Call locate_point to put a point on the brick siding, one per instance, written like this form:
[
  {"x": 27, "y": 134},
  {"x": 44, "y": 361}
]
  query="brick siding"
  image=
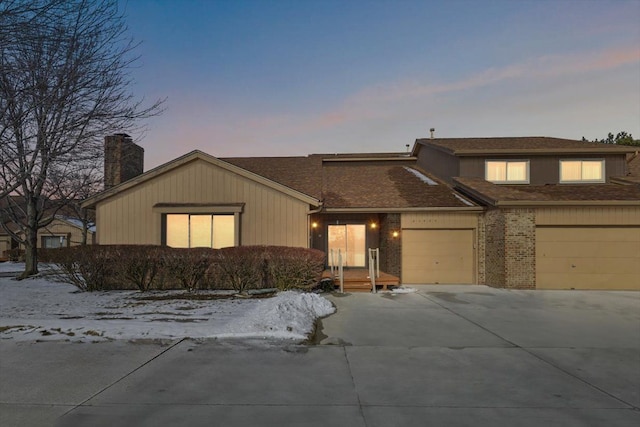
[{"x": 390, "y": 247}]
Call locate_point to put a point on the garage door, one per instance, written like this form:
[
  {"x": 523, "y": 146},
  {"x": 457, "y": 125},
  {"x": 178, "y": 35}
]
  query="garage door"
[
  {"x": 588, "y": 257},
  {"x": 437, "y": 256}
]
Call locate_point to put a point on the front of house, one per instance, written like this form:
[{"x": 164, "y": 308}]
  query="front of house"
[{"x": 507, "y": 212}]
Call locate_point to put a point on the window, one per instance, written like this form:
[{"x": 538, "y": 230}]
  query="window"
[
  {"x": 581, "y": 170},
  {"x": 507, "y": 171},
  {"x": 52, "y": 242},
  {"x": 200, "y": 230},
  {"x": 350, "y": 240}
]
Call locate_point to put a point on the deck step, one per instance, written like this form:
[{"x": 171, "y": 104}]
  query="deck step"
[{"x": 356, "y": 287}]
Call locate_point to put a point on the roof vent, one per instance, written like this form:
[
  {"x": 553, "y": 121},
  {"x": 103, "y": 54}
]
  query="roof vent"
[{"x": 433, "y": 131}]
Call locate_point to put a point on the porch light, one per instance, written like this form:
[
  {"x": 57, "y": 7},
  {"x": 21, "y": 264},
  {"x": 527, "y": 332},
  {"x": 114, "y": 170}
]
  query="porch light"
[
  {"x": 314, "y": 225},
  {"x": 373, "y": 225},
  {"x": 395, "y": 234}
]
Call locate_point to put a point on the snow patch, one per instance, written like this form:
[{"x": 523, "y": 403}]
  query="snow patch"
[
  {"x": 40, "y": 309},
  {"x": 421, "y": 176},
  {"x": 463, "y": 200}
]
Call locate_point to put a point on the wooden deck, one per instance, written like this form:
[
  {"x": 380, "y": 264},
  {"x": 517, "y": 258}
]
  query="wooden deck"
[{"x": 357, "y": 280}]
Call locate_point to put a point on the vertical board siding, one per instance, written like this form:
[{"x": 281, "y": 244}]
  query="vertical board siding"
[
  {"x": 593, "y": 215},
  {"x": 269, "y": 217},
  {"x": 436, "y": 220}
]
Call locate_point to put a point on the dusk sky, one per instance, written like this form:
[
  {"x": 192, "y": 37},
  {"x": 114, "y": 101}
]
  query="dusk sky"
[{"x": 283, "y": 78}]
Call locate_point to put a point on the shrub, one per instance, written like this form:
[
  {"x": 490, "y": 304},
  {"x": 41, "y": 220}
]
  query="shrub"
[
  {"x": 140, "y": 265},
  {"x": 240, "y": 267},
  {"x": 188, "y": 267},
  {"x": 90, "y": 268},
  {"x": 294, "y": 267},
  {"x": 15, "y": 255}
]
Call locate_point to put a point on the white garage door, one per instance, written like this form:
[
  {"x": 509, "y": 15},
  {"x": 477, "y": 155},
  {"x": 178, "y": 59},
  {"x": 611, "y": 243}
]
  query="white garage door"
[
  {"x": 437, "y": 256},
  {"x": 588, "y": 257}
]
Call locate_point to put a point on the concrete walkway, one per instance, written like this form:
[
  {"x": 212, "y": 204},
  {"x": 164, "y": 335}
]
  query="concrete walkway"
[{"x": 444, "y": 356}]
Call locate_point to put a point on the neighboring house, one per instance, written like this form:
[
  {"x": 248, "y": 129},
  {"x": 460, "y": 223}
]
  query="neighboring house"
[
  {"x": 61, "y": 232},
  {"x": 452, "y": 211}
]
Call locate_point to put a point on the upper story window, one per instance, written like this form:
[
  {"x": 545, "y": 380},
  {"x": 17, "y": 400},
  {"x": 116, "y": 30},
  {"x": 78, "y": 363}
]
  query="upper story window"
[
  {"x": 507, "y": 171},
  {"x": 582, "y": 171}
]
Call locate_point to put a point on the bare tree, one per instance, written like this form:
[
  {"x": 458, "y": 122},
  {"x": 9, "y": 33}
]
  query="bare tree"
[{"x": 64, "y": 84}]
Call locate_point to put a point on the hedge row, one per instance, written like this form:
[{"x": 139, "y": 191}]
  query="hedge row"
[{"x": 144, "y": 267}]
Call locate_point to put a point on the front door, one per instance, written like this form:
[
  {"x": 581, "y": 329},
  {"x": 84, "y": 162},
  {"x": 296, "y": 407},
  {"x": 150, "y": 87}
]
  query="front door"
[{"x": 350, "y": 239}]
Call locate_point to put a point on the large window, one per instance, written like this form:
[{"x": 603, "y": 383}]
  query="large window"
[
  {"x": 52, "y": 242},
  {"x": 581, "y": 170},
  {"x": 200, "y": 230},
  {"x": 507, "y": 171}
]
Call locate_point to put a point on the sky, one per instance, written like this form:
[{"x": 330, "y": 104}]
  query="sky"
[{"x": 289, "y": 78}]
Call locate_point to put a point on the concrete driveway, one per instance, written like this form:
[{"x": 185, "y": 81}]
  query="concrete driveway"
[{"x": 444, "y": 356}]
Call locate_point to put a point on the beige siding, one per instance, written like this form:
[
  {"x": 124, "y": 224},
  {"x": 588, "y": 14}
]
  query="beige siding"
[
  {"x": 5, "y": 244},
  {"x": 424, "y": 220},
  {"x": 62, "y": 228},
  {"x": 269, "y": 217},
  {"x": 593, "y": 215},
  {"x": 588, "y": 257}
]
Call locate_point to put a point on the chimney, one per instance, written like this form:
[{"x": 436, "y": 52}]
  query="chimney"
[
  {"x": 433, "y": 131},
  {"x": 123, "y": 159}
]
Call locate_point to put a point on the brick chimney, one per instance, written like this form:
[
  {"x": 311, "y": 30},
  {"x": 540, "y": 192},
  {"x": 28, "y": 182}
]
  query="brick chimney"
[{"x": 123, "y": 159}]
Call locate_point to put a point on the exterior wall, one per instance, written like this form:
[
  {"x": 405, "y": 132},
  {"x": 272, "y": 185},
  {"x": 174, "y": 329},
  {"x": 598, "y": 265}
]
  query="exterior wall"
[
  {"x": 594, "y": 215},
  {"x": 391, "y": 247},
  {"x": 61, "y": 228},
  {"x": 510, "y": 248},
  {"x": 542, "y": 169},
  {"x": 494, "y": 248},
  {"x": 269, "y": 217},
  {"x": 5, "y": 244},
  {"x": 520, "y": 248},
  {"x": 443, "y": 165},
  {"x": 322, "y": 221}
]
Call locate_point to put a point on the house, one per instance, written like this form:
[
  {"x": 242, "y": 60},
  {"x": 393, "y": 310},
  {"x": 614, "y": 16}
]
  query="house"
[
  {"x": 469, "y": 211},
  {"x": 555, "y": 217}
]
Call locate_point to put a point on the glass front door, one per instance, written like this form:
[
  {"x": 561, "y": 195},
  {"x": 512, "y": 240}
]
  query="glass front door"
[{"x": 350, "y": 239}]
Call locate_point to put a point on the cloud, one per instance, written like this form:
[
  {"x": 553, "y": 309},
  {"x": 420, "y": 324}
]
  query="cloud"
[{"x": 386, "y": 107}]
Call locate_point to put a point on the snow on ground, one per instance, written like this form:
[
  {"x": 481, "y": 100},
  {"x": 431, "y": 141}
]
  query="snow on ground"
[{"x": 40, "y": 309}]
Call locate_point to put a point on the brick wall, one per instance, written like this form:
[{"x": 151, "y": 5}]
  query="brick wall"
[
  {"x": 510, "y": 248},
  {"x": 520, "y": 248},
  {"x": 390, "y": 247},
  {"x": 494, "y": 248},
  {"x": 123, "y": 159},
  {"x": 481, "y": 251}
]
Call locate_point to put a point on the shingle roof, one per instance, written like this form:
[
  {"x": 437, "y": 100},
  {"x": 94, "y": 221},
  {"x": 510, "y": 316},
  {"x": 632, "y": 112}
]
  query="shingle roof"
[
  {"x": 385, "y": 187},
  {"x": 496, "y": 193},
  {"x": 539, "y": 144},
  {"x": 302, "y": 174},
  {"x": 351, "y": 185}
]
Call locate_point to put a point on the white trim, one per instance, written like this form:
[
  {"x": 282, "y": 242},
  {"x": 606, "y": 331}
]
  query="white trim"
[
  {"x": 583, "y": 181},
  {"x": 506, "y": 162}
]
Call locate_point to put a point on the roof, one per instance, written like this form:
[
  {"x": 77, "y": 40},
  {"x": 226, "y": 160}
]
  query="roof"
[
  {"x": 574, "y": 194},
  {"x": 633, "y": 173},
  {"x": 367, "y": 181},
  {"x": 386, "y": 187},
  {"x": 539, "y": 145},
  {"x": 199, "y": 155}
]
